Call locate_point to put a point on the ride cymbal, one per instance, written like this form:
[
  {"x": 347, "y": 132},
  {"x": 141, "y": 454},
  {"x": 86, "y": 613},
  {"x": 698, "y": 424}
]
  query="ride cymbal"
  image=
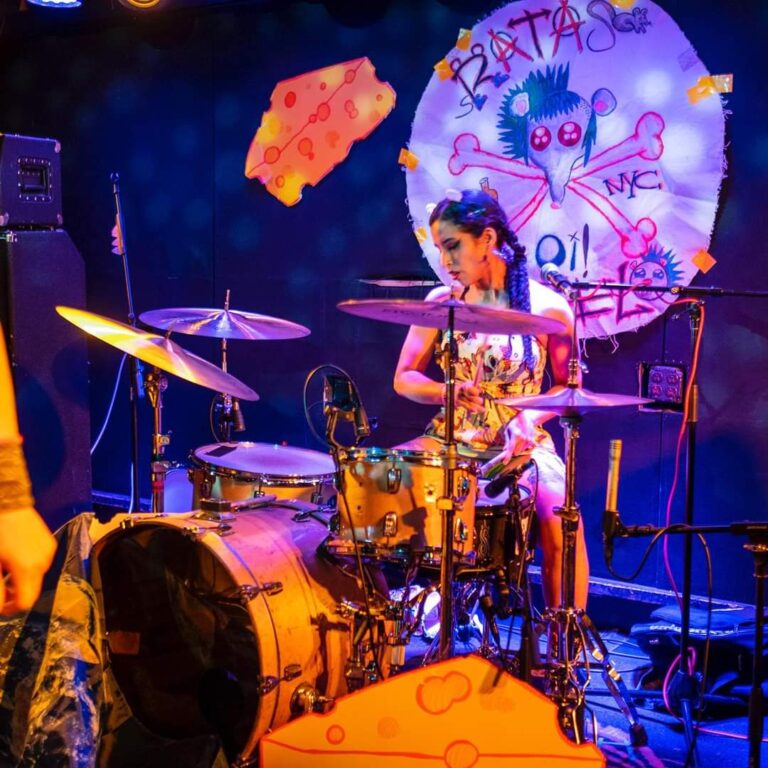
[
  {"x": 157, "y": 351},
  {"x": 572, "y": 400},
  {"x": 223, "y": 324},
  {"x": 477, "y": 318}
]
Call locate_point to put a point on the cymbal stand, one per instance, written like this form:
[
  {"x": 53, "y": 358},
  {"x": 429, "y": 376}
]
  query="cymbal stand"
[
  {"x": 446, "y": 503},
  {"x": 155, "y": 384},
  {"x": 226, "y": 419},
  {"x": 568, "y": 624},
  {"x": 136, "y": 369}
]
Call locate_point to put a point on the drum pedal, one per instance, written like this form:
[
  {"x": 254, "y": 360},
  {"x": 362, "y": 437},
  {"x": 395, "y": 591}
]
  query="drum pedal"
[{"x": 306, "y": 698}]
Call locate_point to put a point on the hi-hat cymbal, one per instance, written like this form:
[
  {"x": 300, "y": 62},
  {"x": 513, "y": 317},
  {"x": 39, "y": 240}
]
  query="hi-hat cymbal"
[
  {"x": 477, "y": 318},
  {"x": 223, "y": 324},
  {"x": 572, "y": 400},
  {"x": 157, "y": 351}
]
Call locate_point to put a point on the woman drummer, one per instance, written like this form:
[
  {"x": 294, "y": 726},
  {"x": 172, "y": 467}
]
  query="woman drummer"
[{"x": 488, "y": 266}]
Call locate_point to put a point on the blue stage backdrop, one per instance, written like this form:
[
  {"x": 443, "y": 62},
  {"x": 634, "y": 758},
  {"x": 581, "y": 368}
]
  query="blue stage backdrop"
[{"x": 171, "y": 102}]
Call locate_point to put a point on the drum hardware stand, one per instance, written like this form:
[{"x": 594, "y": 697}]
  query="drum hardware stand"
[
  {"x": 355, "y": 672},
  {"x": 446, "y": 503},
  {"x": 570, "y": 627},
  {"x": 155, "y": 384},
  {"x": 135, "y": 389},
  {"x": 230, "y": 415},
  {"x": 528, "y": 652}
]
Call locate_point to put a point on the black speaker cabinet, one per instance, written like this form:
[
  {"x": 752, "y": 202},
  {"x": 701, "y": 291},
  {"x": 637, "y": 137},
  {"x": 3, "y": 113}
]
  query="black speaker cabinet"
[
  {"x": 49, "y": 360},
  {"x": 30, "y": 181}
]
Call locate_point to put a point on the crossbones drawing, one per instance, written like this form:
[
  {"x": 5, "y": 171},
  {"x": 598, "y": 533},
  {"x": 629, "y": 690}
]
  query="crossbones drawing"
[{"x": 549, "y": 134}]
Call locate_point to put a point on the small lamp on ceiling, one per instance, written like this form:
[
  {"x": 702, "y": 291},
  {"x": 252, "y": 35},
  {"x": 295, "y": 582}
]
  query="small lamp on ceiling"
[
  {"x": 144, "y": 5},
  {"x": 54, "y": 3}
]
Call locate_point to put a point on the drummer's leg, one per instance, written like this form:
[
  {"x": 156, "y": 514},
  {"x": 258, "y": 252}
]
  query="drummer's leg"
[{"x": 421, "y": 443}]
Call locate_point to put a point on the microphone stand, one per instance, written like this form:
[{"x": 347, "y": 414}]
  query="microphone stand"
[
  {"x": 675, "y": 290},
  {"x": 135, "y": 390},
  {"x": 685, "y": 686},
  {"x": 227, "y": 417}
]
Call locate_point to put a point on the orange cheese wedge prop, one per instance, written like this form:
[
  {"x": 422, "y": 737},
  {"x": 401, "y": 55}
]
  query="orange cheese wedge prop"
[
  {"x": 461, "y": 713},
  {"x": 311, "y": 124}
]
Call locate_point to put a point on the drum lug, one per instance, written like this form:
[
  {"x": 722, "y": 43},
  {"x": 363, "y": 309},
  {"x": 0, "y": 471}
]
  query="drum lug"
[
  {"x": 390, "y": 524},
  {"x": 459, "y": 530},
  {"x": 394, "y": 477},
  {"x": 248, "y": 592},
  {"x": 194, "y": 531},
  {"x": 270, "y": 682}
]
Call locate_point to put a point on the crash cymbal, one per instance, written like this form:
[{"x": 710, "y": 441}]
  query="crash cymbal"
[
  {"x": 223, "y": 324},
  {"x": 478, "y": 318},
  {"x": 572, "y": 400},
  {"x": 400, "y": 282},
  {"x": 157, "y": 351}
]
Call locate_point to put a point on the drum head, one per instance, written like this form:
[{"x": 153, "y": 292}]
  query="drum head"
[
  {"x": 265, "y": 460},
  {"x": 183, "y": 649}
]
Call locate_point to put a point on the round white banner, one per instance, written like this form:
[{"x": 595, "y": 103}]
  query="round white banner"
[{"x": 601, "y": 134}]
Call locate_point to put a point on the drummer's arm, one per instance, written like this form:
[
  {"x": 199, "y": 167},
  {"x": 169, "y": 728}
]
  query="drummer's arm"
[{"x": 411, "y": 380}]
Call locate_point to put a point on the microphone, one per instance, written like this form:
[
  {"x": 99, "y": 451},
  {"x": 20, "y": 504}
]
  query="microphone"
[
  {"x": 611, "y": 515},
  {"x": 505, "y": 609},
  {"x": 486, "y": 606},
  {"x": 499, "y": 484},
  {"x": 551, "y": 274},
  {"x": 362, "y": 426},
  {"x": 238, "y": 421}
]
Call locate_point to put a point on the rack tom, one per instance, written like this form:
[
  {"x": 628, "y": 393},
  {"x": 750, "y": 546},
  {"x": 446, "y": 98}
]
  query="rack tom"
[{"x": 390, "y": 508}]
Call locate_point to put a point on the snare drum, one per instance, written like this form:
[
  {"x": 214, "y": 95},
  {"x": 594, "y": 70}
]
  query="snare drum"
[
  {"x": 502, "y": 528},
  {"x": 392, "y": 497},
  {"x": 222, "y": 629},
  {"x": 240, "y": 471}
]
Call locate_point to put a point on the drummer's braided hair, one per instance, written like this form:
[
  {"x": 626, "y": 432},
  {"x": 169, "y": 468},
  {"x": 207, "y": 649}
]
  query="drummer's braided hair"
[{"x": 472, "y": 213}]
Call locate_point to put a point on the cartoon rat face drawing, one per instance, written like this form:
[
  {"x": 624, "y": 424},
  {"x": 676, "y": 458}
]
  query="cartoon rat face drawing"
[{"x": 548, "y": 126}]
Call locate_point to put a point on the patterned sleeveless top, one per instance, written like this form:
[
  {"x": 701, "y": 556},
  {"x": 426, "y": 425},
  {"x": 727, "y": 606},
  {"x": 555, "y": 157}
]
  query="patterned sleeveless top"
[{"x": 495, "y": 364}]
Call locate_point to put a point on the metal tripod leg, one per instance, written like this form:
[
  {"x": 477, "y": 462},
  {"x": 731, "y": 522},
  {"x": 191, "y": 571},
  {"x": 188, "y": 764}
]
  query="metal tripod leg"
[{"x": 613, "y": 681}]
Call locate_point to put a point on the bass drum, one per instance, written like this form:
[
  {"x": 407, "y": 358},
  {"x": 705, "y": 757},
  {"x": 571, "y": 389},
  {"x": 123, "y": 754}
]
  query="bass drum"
[{"x": 222, "y": 628}]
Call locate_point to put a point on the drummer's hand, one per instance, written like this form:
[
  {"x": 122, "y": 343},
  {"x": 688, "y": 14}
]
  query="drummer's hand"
[
  {"x": 26, "y": 552},
  {"x": 519, "y": 439},
  {"x": 470, "y": 397}
]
